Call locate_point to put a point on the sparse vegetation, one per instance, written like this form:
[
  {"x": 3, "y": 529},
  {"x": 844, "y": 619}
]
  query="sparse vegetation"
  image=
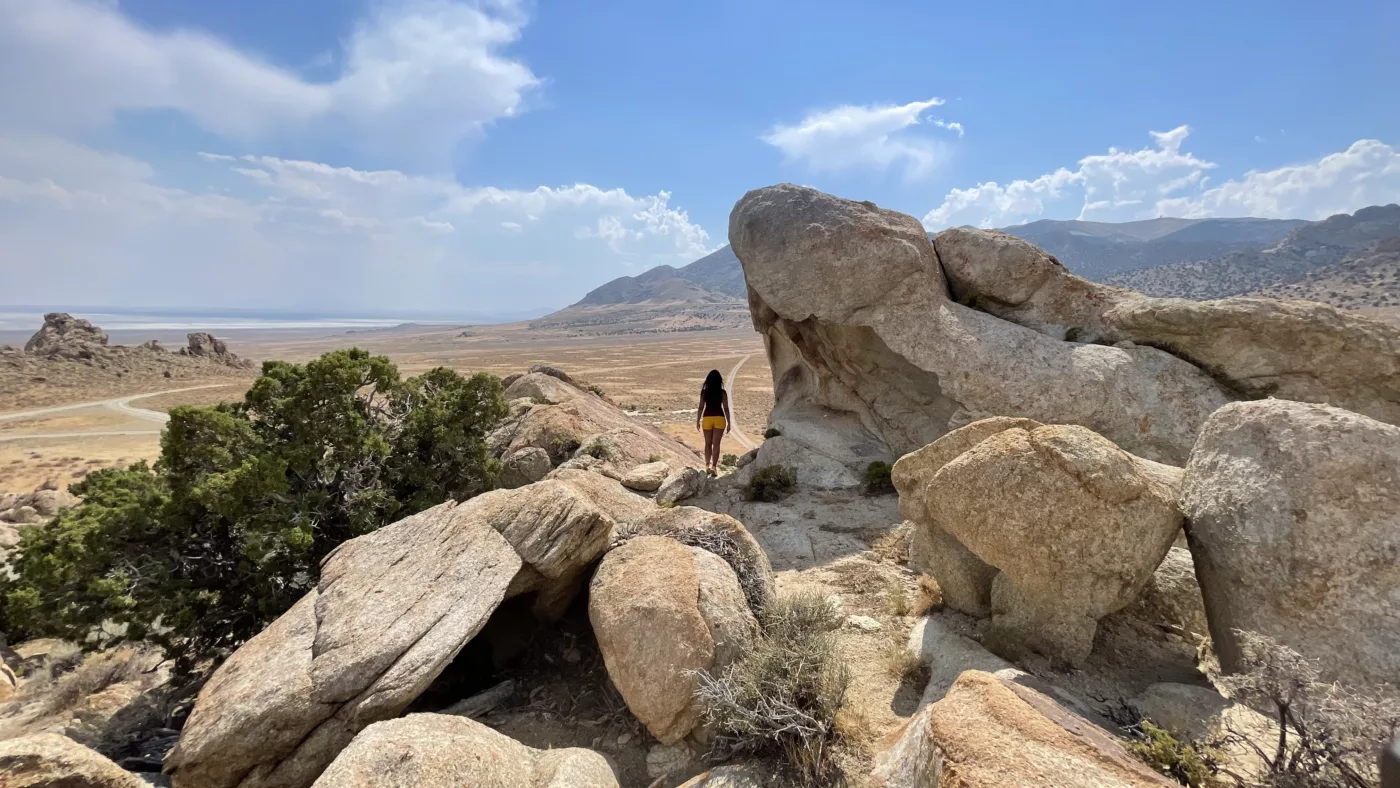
[
  {"x": 773, "y": 483},
  {"x": 729, "y": 460},
  {"x": 783, "y": 697},
  {"x": 1329, "y": 735},
  {"x": 877, "y": 478},
  {"x": 655, "y": 458},
  {"x": 928, "y": 597},
  {"x": 893, "y": 545},
  {"x": 896, "y": 600},
  {"x": 772, "y": 432},
  {"x": 598, "y": 450},
  {"x": 1187, "y": 763},
  {"x": 229, "y": 528},
  {"x": 903, "y": 664}
]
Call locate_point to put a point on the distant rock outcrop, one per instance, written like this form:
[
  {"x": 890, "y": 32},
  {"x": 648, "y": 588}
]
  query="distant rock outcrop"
[
  {"x": 68, "y": 337},
  {"x": 204, "y": 345}
]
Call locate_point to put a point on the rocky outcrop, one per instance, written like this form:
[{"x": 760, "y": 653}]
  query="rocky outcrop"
[
  {"x": 524, "y": 466},
  {"x": 1294, "y": 525},
  {"x": 48, "y": 760},
  {"x": 207, "y": 346},
  {"x": 558, "y": 417},
  {"x": 66, "y": 337},
  {"x": 681, "y": 485},
  {"x": 1257, "y": 346},
  {"x": 442, "y": 751},
  {"x": 989, "y": 732},
  {"x": 720, "y": 534},
  {"x": 663, "y": 611},
  {"x": 1047, "y": 528},
  {"x": 861, "y": 314},
  {"x": 391, "y": 610}
]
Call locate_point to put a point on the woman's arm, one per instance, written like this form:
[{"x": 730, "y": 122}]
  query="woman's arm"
[
  {"x": 728, "y": 419},
  {"x": 700, "y": 410}
]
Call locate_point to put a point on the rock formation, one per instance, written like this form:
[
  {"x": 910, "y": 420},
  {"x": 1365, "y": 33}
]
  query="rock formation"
[
  {"x": 990, "y": 732},
  {"x": 48, "y": 760},
  {"x": 68, "y": 337},
  {"x": 205, "y": 345},
  {"x": 1294, "y": 524},
  {"x": 862, "y": 315},
  {"x": 394, "y": 607},
  {"x": 1047, "y": 528},
  {"x": 442, "y": 751},
  {"x": 663, "y": 611}
]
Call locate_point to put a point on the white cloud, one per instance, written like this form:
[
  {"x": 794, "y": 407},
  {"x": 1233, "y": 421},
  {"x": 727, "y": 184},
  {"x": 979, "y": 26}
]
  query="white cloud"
[
  {"x": 877, "y": 137},
  {"x": 289, "y": 233},
  {"x": 1164, "y": 180},
  {"x": 415, "y": 76}
]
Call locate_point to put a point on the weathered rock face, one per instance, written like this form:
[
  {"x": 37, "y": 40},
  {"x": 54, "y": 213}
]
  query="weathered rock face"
[
  {"x": 1294, "y": 524},
  {"x": 65, "y": 336},
  {"x": 442, "y": 751},
  {"x": 720, "y": 534},
  {"x": 390, "y": 612},
  {"x": 855, "y": 311},
  {"x": 1172, "y": 598},
  {"x": 48, "y": 760},
  {"x": 1049, "y": 528},
  {"x": 561, "y": 417},
  {"x": 524, "y": 466},
  {"x": 993, "y": 733},
  {"x": 660, "y": 611},
  {"x": 1290, "y": 349},
  {"x": 681, "y": 485}
]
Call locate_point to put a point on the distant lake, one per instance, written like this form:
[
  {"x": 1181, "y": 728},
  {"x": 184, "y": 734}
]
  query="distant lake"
[{"x": 31, "y": 321}]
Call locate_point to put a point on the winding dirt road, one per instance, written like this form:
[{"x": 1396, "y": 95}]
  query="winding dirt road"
[
  {"x": 737, "y": 433},
  {"x": 120, "y": 405}
]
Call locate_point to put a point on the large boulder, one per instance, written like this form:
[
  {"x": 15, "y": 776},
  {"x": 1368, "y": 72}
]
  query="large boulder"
[
  {"x": 1294, "y": 350},
  {"x": 990, "y": 732},
  {"x": 444, "y": 751},
  {"x": 720, "y": 534},
  {"x": 391, "y": 610},
  {"x": 646, "y": 477},
  {"x": 856, "y": 316},
  {"x": 681, "y": 485},
  {"x": 1294, "y": 524},
  {"x": 561, "y": 417},
  {"x": 661, "y": 612},
  {"x": 524, "y": 466},
  {"x": 48, "y": 760},
  {"x": 1072, "y": 525}
]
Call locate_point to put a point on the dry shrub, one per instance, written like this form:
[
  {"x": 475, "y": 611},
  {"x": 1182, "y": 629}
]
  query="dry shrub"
[
  {"x": 896, "y": 599},
  {"x": 903, "y": 664},
  {"x": 1189, "y": 763},
  {"x": 783, "y": 697},
  {"x": 928, "y": 597},
  {"x": 894, "y": 545},
  {"x": 96, "y": 673},
  {"x": 1329, "y": 734}
]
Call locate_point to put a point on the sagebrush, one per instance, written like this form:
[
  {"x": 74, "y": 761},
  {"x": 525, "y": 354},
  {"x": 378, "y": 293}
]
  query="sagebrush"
[
  {"x": 782, "y": 698},
  {"x": 773, "y": 483}
]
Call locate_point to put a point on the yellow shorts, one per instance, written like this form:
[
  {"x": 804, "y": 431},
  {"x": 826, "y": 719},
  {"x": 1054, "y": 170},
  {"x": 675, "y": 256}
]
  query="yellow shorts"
[{"x": 713, "y": 423}]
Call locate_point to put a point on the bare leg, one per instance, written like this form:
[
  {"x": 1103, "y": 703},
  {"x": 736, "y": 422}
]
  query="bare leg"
[{"x": 711, "y": 448}]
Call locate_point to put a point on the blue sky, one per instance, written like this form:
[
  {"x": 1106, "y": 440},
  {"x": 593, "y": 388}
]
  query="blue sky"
[{"x": 501, "y": 156}]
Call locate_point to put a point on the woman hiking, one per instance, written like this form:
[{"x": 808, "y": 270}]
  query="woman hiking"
[{"x": 712, "y": 418}]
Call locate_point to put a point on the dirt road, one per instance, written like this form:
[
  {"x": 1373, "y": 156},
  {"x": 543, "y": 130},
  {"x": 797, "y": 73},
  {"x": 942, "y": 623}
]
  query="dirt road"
[
  {"x": 120, "y": 405},
  {"x": 737, "y": 433}
]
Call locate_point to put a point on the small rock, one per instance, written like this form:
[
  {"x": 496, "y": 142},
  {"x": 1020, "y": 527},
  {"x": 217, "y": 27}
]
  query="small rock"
[
  {"x": 624, "y": 738},
  {"x": 646, "y": 477},
  {"x": 683, "y": 484},
  {"x": 667, "y": 759},
  {"x": 864, "y": 623}
]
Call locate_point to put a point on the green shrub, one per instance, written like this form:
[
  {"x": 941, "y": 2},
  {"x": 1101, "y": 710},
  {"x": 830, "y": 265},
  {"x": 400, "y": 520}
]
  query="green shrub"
[
  {"x": 229, "y": 528},
  {"x": 771, "y": 484},
  {"x": 772, "y": 432},
  {"x": 782, "y": 697},
  {"x": 729, "y": 460},
  {"x": 877, "y": 478},
  {"x": 1187, "y": 763}
]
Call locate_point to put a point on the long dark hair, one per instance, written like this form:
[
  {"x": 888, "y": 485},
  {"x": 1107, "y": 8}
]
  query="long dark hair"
[{"x": 713, "y": 390}]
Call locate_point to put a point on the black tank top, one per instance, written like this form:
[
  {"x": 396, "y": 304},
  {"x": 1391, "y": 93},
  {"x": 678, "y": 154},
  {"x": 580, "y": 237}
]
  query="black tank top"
[{"x": 714, "y": 402}]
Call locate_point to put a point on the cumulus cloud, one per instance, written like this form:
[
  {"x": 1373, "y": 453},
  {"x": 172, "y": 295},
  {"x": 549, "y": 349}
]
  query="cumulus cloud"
[
  {"x": 291, "y": 233},
  {"x": 423, "y": 74},
  {"x": 879, "y": 137},
  {"x": 1165, "y": 180}
]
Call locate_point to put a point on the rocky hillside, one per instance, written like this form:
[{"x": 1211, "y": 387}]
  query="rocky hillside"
[
  {"x": 1366, "y": 278},
  {"x": 1301, "y": 252},
  {"x": 70, "y": 359}
]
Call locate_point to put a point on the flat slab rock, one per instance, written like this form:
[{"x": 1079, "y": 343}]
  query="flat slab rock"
[{"x": 988, "y": 732}]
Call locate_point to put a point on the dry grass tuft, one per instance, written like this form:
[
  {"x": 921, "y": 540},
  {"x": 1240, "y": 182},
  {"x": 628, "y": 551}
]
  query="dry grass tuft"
[
  {"x": 894, "y": 545},
  {"x": 927, "y": 598}
]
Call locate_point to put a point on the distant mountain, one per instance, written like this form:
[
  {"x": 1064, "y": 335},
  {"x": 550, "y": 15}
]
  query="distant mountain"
[
  {"x": 1306, "y": 249},
  {"x": 1097, "y": 250},
  {"x": 716, "y": 278}
]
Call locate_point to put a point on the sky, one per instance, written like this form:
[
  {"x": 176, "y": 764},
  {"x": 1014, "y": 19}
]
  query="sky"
[{"x": 503, "y": 157}]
